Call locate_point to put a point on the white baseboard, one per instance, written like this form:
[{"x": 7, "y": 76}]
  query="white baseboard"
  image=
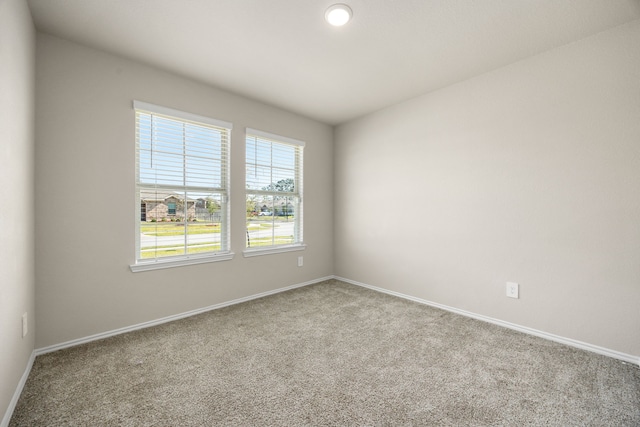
[
  {"x": 156, "y": 322},
  {"x": 18, "y": 392},
  {"x": 562, "y": 340}
]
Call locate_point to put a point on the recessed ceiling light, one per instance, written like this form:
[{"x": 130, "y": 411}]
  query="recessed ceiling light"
[{"x": 338, "y": 14}]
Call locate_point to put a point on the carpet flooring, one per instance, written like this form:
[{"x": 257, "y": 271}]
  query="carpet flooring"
[{"x": 329, "y": 354}]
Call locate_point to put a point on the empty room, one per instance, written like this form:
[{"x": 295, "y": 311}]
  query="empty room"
[{"x": 352, "y": 212}]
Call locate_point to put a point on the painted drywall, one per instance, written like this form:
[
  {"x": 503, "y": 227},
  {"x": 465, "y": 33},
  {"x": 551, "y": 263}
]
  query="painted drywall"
[
  {"x": 85, "y": 201},
  {"x": 17, "y": 85},
  {"x": 528, "y": 174}
]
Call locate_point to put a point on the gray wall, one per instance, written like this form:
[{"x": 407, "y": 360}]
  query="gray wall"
[
  {"x": 530, "y": 173},
  {"x": 17, "y": 67},
  {"x": 85, "y": 196}
]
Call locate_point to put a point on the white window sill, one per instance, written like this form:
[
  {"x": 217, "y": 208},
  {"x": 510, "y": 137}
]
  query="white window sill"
[
  {"x": 170, "y": 263},
  {"x": 273, "y": 250}
]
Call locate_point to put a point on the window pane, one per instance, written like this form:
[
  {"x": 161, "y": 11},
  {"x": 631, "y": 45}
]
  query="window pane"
[
  {"x": 161, "y": 231},
  {"x": 171, "y": 208},
  {"x": 270, "y": 220},
  {"x": 169, "y": 223},
  {"x": 260, "y": 230},
  {"x": 204, "y": 223}
]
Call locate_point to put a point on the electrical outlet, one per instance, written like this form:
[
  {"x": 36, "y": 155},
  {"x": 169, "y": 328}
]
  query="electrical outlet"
[
  {"x": 300, "y": 261},
  {"x": 512, "y": 290},
  {"x": 25, "y": 327}
]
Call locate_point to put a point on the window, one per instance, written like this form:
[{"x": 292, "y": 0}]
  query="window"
[
  {"x": 274, "y": 193},
  {"x": 182, "y": 185},
  {"x": 171, "y": 208}
]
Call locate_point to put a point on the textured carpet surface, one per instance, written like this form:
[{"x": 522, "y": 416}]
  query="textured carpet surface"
[{"x": 328, "y": 354}]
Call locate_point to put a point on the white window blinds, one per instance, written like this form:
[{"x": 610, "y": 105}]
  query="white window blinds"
[
  {"x": 274, "y": 190},
  {"x": 182, "y": 184}
]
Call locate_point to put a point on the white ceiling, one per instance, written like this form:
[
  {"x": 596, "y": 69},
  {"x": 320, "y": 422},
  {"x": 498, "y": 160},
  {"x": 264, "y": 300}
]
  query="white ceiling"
[{"x": 283, "y": 53}]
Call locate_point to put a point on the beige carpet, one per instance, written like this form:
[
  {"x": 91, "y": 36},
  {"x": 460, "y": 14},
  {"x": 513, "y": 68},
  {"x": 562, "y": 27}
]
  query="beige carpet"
[{"x": 328, "y": 354}]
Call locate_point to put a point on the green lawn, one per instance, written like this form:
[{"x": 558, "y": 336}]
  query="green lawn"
[
  {"x": 171, "y": 250},
  {"x": 268, "y": 241},
  {"x": 177, "y": 228},
  {"x": 270, "y": 218}
]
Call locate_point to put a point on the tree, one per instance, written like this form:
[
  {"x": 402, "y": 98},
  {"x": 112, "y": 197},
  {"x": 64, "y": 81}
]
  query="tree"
[
  {"x": 251, "y": 206},
  {"x": 287, "y": 209},
  {"x": 284, "y": 185},
  {"x": 212, "y": 207}
]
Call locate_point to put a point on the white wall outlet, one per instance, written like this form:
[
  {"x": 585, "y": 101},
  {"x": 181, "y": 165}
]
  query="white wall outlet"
[
  {"x": 300, "y": 261},
  {"x": 25, "y": 327},
  {"x": 512, "y": 290}
]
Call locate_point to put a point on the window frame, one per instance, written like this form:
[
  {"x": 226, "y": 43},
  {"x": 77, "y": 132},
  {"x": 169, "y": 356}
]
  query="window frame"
[
  {"x": 225, "y": 253},
  {"x": 298, "y": 244}
]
